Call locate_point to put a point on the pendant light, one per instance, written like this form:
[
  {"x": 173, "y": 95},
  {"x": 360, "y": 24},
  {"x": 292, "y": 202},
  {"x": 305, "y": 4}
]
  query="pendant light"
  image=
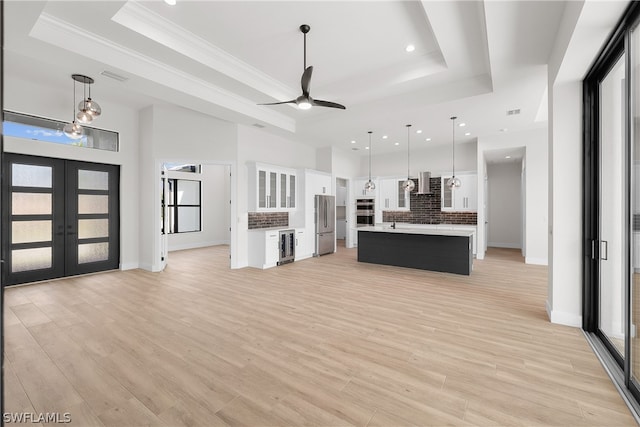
[
  {"x": 369, "y": 185},
  {"x": 73, "y": 130},
  {"x": 453, "y": 182},
  {"x": 88, "y": 108},
  {"x": 408, "y": 185}
]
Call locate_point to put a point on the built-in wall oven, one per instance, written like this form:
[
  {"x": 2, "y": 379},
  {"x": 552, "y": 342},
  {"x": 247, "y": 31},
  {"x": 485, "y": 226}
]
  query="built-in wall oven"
[
  {"x": 365, "y": 212},
  {"x": 287, "y": 246}
]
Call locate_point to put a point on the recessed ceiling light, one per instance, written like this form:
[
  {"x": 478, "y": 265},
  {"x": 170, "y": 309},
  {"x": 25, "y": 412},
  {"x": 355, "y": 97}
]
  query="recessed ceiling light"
[
  {"x": 467, "y": 134},
  {"x": 507, "y": 157},
  {"x": 410, "y": 48},
  {"x": 170, "y": 2},
  {"x": 384, "y": 137},
  {"x": 462, "y": 124},
  {"x": 428, "y": 139},
  {"x": 353, "y": 142},
  {"x": 397, "y": 143},
  {"x": 419, "y": 131},
  {"x": 366, "y": 148}
]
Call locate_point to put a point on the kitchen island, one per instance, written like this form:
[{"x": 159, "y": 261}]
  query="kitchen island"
[{"x": 448, "y": 251}]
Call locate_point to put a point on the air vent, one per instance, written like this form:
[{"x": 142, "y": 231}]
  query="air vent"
[
  {"x": 114, "y": 76},
  {"x": 513, "y": 112},
  {"x": 258, "y": 125},
  {"x": 354, "y": 149}
]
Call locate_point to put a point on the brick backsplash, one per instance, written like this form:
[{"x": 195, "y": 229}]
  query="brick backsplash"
[
  {"x": 268, "y": 219},
  {"x": 426, "y": 209}
]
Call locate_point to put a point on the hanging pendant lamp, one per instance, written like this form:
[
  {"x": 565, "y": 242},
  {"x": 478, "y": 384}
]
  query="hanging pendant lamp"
[
  {"x": 88, "y": 109},
  {"x": 369, "y": 185},
  {"x": 408, "y": 185},
  {"x": 453, "y": 182},
  {"x": 73, "y": 130}
]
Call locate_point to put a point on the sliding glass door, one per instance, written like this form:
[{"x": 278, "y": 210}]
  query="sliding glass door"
[
  {"x": 61, "y": 218},
  {"x": 611, "y": 298}
]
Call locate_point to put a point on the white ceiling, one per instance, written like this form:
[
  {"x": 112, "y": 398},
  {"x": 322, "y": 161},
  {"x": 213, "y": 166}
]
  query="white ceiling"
[{"x": 473, "y": 59}]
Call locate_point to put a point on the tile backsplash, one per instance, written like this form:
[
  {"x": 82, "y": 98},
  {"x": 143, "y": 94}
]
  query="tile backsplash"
[
  {"x": 426, "y": 209},
  {"x": 268, "y": 219}
]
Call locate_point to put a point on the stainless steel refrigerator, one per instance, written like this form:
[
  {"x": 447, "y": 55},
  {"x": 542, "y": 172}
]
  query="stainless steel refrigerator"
[{"x": 325, "y": 221}]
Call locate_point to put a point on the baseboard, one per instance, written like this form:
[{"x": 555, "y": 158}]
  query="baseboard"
[
  {"x": 145, "y": 266},
  {"x": 504, "y": 245},
  {"x": 197, "y": 245},
  {"x": 129, "y": 266},
  {"x": 536, "y": 261},
  {"x": 562, "y": 318},
  {"x": 301, "y": 257}
]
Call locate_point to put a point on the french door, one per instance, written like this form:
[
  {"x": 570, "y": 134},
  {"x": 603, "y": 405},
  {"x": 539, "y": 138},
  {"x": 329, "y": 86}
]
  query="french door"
[{"x": 60, "y": 218}]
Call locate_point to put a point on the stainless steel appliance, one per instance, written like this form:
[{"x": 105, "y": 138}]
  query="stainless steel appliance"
[
  {"x": 424, "y": 183},
  {"x": 365, "y": 212},
  {"x": 325, "y": 222},
  {"x": 287, "y": 246}
]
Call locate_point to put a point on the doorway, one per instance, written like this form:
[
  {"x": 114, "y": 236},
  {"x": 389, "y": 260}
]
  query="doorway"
[
  {"x": 341, "y": 211},
  {"x": 61, "y": 218},
  {"x": 504, "y": 204}
]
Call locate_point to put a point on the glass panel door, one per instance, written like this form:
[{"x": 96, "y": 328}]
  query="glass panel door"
[
  {"x": 60, "y": 218},
  {"x": 612, "y": 202},
  {"x": 33, "y": 221},
  {"x": 635, "y": 208}
]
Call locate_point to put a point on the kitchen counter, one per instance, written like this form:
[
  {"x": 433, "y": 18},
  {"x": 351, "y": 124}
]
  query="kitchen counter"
[
  {"x": 411, "y": 230},
  {"x": 448, "y": 251}
]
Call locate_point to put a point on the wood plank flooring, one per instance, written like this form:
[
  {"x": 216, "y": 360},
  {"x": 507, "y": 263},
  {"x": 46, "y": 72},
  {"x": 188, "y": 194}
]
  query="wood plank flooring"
[{"x": 326, "y": 341}]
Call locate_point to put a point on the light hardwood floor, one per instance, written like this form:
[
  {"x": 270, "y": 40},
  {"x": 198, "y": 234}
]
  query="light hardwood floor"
[{"x": 326, "y": 341}]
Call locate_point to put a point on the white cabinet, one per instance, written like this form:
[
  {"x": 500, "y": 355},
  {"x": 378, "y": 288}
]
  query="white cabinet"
[
  {"x": 286, "y": 190},
  {"x": 271, "y": 188},
  {"x": 358, "y": 189},
  {"x": 302, "y": 250},
  {"x": 392, "y": 195},
  {"x": 462, "y": 199},
  {"x": 264, "y": 250}
]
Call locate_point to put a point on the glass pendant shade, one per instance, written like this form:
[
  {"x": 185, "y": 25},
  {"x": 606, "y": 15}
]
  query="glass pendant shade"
[
  {"x": 90, "y": 107},
  {"x": 408, "y": 185},
  {"x": 369, "y": 185},
  {"x": 454, "y": 182},
  {"x": 84, "y": 117},
  {"x": 73, "y": 130}
]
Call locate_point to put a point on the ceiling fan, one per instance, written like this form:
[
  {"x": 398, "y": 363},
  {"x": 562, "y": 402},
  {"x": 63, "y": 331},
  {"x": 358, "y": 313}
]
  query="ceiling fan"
[{"x": 305, "y": 101}]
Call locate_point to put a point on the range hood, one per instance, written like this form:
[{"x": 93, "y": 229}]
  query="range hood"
[{"x": 424, "y": 184}]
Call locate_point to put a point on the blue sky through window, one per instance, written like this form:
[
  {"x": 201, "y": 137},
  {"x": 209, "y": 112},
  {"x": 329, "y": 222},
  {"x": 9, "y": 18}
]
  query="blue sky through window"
[{"x": 20, "y": 130}]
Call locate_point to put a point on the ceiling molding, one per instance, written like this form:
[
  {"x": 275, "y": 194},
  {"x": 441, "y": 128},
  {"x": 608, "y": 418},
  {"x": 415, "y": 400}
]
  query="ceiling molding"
[
  {"x": 149, "y": 24},
  {"x": 65, "y": 35}
]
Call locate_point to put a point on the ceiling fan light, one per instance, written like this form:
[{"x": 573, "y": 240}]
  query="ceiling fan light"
[
  {"x": 304, "y": 105},
  {"x": 73, "y": 130}
]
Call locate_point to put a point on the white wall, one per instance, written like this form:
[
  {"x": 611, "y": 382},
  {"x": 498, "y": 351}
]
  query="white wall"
[
  {"x": 436, "y": 159},
  {"x": 175, "y": 134},
  {"x": 54, "y": 102},
  {"x": 504, "y": 203},
  {"x": 584, "y": 29},
  {"x": 215, "y": 209},
  {"x": 536, "y": 196}
]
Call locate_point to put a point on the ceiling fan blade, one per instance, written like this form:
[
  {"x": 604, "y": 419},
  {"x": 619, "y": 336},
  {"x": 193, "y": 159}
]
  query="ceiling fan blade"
[
  {"x": 293, "y": 101},
  {"x": 330, "y": 104},
  {"x": 306, "y": 80}
]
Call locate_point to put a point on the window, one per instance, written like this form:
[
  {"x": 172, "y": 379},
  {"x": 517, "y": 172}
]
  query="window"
[
  {"x": 184, "y": 206},
  {"x": 37, "y": 128},
  {"x": 183, "y": 167}
]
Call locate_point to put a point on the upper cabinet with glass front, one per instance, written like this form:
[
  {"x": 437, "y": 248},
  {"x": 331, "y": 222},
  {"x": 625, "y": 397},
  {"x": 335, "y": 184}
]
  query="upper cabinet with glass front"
[
  {"x": 272, "y": 188},
  {"x": 462, "y": 199}
]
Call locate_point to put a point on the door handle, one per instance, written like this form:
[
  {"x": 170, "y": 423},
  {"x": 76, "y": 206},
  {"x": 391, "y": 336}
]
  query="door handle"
[{"x": 604, "y": 250}]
